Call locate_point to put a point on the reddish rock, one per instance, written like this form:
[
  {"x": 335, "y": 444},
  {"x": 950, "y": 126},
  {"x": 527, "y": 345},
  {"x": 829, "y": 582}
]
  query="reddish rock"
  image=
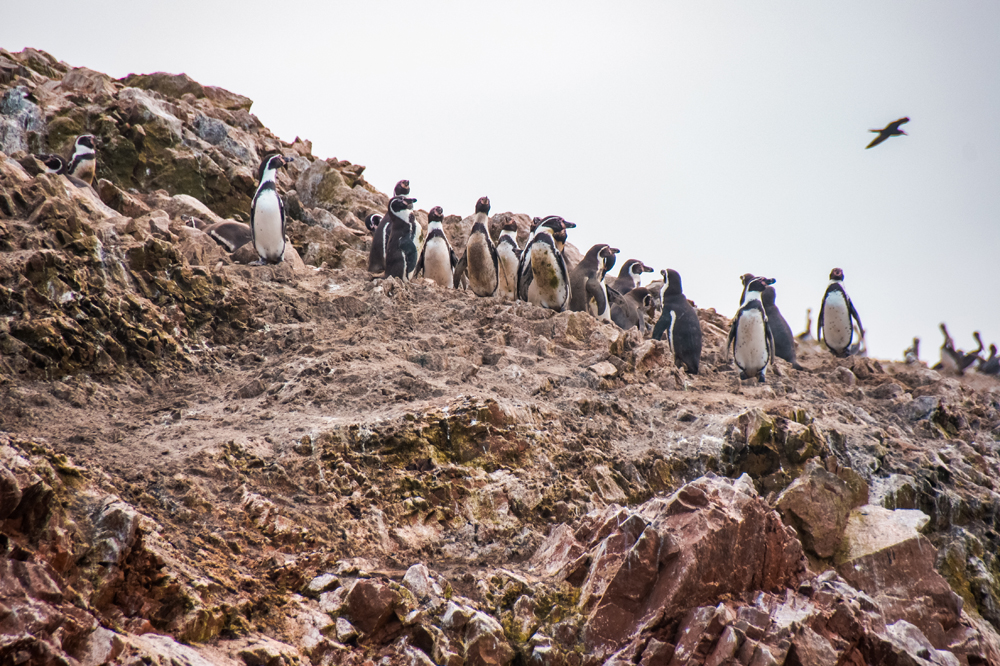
[
  {"x": 370, "y": 605},
  {"x": 817, "y": 505}
]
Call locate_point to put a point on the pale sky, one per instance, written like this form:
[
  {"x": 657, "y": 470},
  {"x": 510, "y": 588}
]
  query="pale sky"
[{"x": 715, "y": 138}]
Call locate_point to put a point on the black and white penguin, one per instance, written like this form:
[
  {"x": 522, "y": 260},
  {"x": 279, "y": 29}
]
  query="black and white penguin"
[
  {"x": 267, "y": 213},
  {"x": 372, "y": 220},
  {"x": 750, "y": 340},
  {"x": 480, "y": 261},
  {"x": 835, "y": 326},
  {"x": 629, "y": 310},
  {"x": 437, "y": 258},
  {"x": 401, "y": 253},
  {"x": 784, "y": 341},
  {"x": 380, "y": 234},
  {"x": 630, "y": 275},
  {"x": 542, "y": 278},
  {"x": 83, "y": 163},
  {"x": 508, "y": 257},
  {"x": 991, "y": 366},
  {"x": 230, "y": 234},
  {"x": 679, "y": 323},
  {"x": 52, "y": 163},
  {"x": 587, "y": 288}
]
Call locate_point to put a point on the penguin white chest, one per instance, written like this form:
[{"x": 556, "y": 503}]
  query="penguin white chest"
[
  {"x": 507, "y": 286},
  {"x": 548, "y": 287},
  {"x": 437, "y": 262},
  {"x": 837, "y": 329},
  {"x": 268, "y": 239},
  {"x": 750, "y": 350}
]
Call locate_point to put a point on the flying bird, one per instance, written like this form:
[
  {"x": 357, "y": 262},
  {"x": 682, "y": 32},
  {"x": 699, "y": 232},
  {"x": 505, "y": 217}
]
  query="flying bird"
[{"x": 892, "y": 129}]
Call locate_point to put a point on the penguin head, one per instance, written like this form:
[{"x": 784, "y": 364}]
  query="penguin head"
[
  {"x": 535, "y": 221},
  {"x": 400, "y": 204},
  {"x": 271, "y": 164},
  {"x": 641, "y": 296},
  {"x": 402, "y": 188},
  {"x": 435, "y": 215},
  {"x": 635, "y": 268},
  {"x": 372, "y": 221},
  {"x": 85, "y": 143},
  {"x": 756, "y": 287},
  {"x": 672, "y": 283},
  {"x": 52, "y": 163},
  {"x": 767, "y": 297},
  {"x": 837, "y": 274},
  {"x": 746, "y": 277},
  {"x": 609, "y": 255},
  {"x": 483, "y": 205},
  {"x": 509, "y": 225}
]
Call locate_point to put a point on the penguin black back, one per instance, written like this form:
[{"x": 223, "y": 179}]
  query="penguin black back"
[
  {"x": 679, "y": 323},
  {"x": 401, "y": 252},
  {"x": 784, "y": 341}
]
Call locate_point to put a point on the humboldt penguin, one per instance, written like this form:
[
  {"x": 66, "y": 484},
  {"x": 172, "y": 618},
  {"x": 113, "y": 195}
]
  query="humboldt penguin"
[
  {"x": 83, "y": 163},
  {"x": 781, "y": 332},
  {"x": 230, "y": 234},
  {"x": 542, "y": 278},
  {"x": 508, "y": 257},
  {"x": 991, "y": 366},
  {"x": 401, "y": 252},
  {"x": 834, "y": 325},
  {"x": 480, "y": 259},
  {"x": 52, "y": 163},
  {"x": 892, "y": 129},
  {"x": 380, "y": 235},
  {"x": 587, "y": 288},
  {"x": 630, "y": 275},
  {"x": 372, "y": 221},
  {"x": 437, "y": 259},
  {"x": 679, "y": 323},
  {"x": 750, "y": 340},
  {"x": 267, "y": 213},
  {"x": 630, "y": 309}
]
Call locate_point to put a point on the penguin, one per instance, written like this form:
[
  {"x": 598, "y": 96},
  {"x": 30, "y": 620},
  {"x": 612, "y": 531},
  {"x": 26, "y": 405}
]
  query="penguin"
[
  {"x": 480, "y": 259},
  {"x": 781, "y": 332},
  {"x": 834, "y": 326},
  {"x": 807, "y": 335},
  {"x": 372, "y": 221},
  {"x": 630, "y": 310},
  {"x": 401, "y": 252},
  {"x": 83, "y": 163},
  {"x": 679, "y": 323},
  {"x": 890, "y": 130},
  {"x": 750, "y": 340},
  {"x": 437, "y": 258},
  {"x": 380, "y": 235},
  {"x": 588, "y": 291},
  {"x": 630, "y": 275},
  {"x": 542, "y": 278},
  {"x": 508, "y": 256},
  {"x": 912, "y": 353},
  {"x": 267, "y": 213},
  {"x": 230, "y": 234},
  {"x": 53, "y": 164},
  {"x": 991, "y": 366}
]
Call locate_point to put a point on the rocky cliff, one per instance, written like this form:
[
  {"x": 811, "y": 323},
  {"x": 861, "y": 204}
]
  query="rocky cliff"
[{"x": 203, "y": 461}]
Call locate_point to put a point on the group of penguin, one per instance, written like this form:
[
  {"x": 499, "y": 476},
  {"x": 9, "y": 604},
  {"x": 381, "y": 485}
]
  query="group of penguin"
[{"x": 538, "y": 273}]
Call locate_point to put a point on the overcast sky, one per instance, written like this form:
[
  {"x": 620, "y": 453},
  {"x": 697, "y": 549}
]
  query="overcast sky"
[{"x": 716, "y": 138}]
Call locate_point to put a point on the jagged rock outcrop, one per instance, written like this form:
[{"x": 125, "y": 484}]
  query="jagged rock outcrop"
[{"x": 203, "y": 461}]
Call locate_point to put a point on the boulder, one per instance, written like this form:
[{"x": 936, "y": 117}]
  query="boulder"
[{"x": 817, "y": 505}]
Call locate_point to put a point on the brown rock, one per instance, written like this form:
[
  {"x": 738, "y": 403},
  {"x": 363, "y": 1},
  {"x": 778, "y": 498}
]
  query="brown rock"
[
  {"x": 10, "y": 493},
  {"x": 121, "y": 201},
  {"x": 370, "y": 605},
  {"x": 485, "y": 644},
  {"x": 817, "y": 505}
]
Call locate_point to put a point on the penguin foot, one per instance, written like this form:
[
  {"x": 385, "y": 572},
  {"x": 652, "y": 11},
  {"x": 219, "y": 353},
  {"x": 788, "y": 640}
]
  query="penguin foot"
[
  {"x": 761, "y": 378},
  {"x": 744, "y": 376}
]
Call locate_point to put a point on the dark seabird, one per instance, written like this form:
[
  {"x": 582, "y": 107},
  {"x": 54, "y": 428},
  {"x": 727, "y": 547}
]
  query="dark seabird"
[{"x": 892, "y": 129}]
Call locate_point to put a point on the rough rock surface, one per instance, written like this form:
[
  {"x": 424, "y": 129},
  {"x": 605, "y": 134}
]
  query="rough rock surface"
[{"x": 204, "y": 462}]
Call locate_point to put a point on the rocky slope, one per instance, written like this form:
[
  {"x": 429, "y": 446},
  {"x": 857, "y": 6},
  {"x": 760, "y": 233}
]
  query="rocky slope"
[{"x": 207, "y": 462}]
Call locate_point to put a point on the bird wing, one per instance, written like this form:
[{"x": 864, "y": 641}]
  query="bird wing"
[
  {"x": 877, "y": 140},
  {"x": 460, "y": 269}
]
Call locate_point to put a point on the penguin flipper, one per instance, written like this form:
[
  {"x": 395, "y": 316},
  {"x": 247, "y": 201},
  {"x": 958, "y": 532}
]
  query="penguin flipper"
[
  {"x": 819, "y": 321},
  {"x": 854, "y": 313},
  {"x": 593, "y": 290},
  {"x": 420, "y": 262},
  {"x": 661, "y": 326},
  {"x": 731, "y": 341},
  {"x": 281, "y": 213},
  {"x": 460, "y": 268}
]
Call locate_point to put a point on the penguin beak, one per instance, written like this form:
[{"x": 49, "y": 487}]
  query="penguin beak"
[{"x": 568, "y": 225}]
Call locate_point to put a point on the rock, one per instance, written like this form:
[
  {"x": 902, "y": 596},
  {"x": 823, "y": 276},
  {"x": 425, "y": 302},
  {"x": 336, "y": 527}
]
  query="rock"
[
  {"x": 884, "y": 556},
  {"x": 909, "y": 641},
  {"x": 919, "y": 408},
  {"x": 370, "y": 604},
  {"x": 419, "y": 580},
  {"x": 269, "y": 652},
  {"x": 115, "y": 524},
  {"x": 603, "y": 482},
  {"x": 322, "y": 583},
  {"x": 455, "y": 616},
  {"x": 817, "y": 505},
  {"x": 604, "y": 369},
  {"x": 845, "y": 376},
  {"x": 121, "y": 201},
  {"x": 10, "y": 493},
  {"x": 485, "y": 644},
  {"x": 345, "y": 630}
]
